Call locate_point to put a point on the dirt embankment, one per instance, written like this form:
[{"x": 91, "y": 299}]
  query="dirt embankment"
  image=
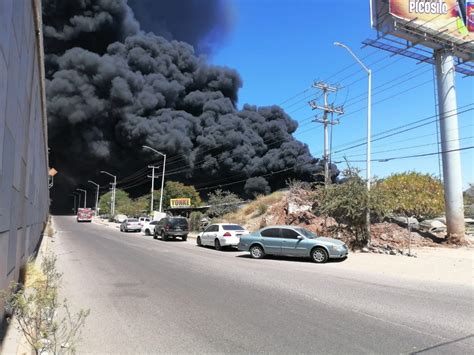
[{"x": 295, "y": 208}]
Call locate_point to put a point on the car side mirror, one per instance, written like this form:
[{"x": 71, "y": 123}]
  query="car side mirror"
[{"x": 300, "y": 237}]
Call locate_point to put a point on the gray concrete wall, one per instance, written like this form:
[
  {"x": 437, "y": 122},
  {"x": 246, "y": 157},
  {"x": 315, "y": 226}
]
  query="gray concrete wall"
[{"x": 24, "y": 195}]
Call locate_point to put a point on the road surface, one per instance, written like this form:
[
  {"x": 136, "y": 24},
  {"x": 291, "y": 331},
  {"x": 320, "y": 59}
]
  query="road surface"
[{"x": 149, "y": 296}]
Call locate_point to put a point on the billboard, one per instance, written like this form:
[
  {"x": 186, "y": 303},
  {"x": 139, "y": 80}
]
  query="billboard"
[
  {"x": 443, "y": 16},
  {"x": 432, "y": 23},
  {"x": 180, "y": 202}
]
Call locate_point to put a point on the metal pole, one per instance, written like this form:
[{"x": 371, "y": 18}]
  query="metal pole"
[
  {"x": 369, "y": 143},
  {"x": 152, "y": 186},
  {"x": 163, "y": 177},
  {"x": 162, "y": 183},
  {"x": 85, "y": 196},
  {"x": 369, "y": 125},
  {"x": 96, "y": 195},
  {"x": 113, "y": 195},
  {"x": 326, "y": 141},
  {"x": 112, "y": 200},
  {"x": 450, "y": 144}
]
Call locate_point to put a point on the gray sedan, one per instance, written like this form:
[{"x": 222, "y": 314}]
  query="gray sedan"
[{"x": 292, "y": 241}]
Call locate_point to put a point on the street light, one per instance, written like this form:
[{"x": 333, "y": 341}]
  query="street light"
[
  {"x": 74, "y": 208},
  {"x": 114, "y": 184},
  {"x": 163, "y": 177},
  {"x": 79, "y": 195},
  {"x": 96, "y": 195},
  {"x": 85, "y": 196},
  {"x": 369, "y": 122}
]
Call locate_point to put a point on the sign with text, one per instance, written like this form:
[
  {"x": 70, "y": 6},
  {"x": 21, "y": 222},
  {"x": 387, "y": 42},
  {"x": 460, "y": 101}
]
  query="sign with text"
[
  {"x": 447, "y": 17},
  {"x": 180, "y": 202}
]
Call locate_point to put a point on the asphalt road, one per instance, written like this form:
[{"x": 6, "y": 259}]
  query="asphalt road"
[{"x": 149, "y": 296}]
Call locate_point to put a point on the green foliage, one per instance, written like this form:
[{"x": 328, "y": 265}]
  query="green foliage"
[
  {"x": 469, "y": 201},
  {"x": 175, "y": 189},
  {"x": 347, "y": 203},
  {"x": 261, "y": 209},
  {"x": 46, "y": 323},
  {"x": 222, "y": 202},
  {"x": 122, "y": 202},
  {"x": 195, "y": 220},
  {"x": 412, "y": 194}
]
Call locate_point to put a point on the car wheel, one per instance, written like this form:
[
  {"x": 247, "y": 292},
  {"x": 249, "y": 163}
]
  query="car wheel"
[
  {"x": 121, "y": 228},
  {"x": 155, "y": 235},
  {"x": 164, "y": 236},
  {"x": 256, "y": 252},
  {"x": 198, "y": 241},
  {"x": 217, "y": 244},
  {"x": 319, "y": 255},
  {"x": 184, "y": 238},
  {"x": 147, "y": 232}
]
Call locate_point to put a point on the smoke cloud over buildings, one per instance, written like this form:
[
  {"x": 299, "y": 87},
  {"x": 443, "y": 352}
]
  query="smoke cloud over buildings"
[{"x": 112, "y": 87}]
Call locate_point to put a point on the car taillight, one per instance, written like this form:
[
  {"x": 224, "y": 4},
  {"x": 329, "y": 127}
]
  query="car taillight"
[
  {"x": 167, "y": 227},
  {"x": 227, "y": 234}
]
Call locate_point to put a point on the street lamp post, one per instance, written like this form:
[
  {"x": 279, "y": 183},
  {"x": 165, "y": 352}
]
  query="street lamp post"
[
  {"x": 114, "y": 184},
  {"x": 96, "y": 195},
  {"x": 74, "y": 208},
  {"x": 369, "y": 123},
  {"x": 85, "y": 196},
  {"x": 163, "y": 177}
]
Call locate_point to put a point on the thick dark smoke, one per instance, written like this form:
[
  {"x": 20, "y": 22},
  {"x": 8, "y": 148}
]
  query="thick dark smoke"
[
  {"x": 112, "y": 88},
  {"x": 204, "y": 24}
]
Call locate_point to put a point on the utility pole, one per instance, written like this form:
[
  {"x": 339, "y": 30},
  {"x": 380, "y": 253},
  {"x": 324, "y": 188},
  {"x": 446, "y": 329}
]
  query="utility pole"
[
  {"x": 85, "y": 196},
  {"x": 74, "y": 208},
  {"x": 152, "y": 184},
  {"x": 448, "y": 123},
  {"x": 96, "y": 195},
  {"x": 114, "y": 185},
  {"x": 163, "y": 177},
  {"x": 326, "y": 108}
]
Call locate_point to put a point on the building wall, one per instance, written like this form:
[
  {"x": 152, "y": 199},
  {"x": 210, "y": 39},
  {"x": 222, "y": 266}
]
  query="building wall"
[{"x": 24, "y": 195}]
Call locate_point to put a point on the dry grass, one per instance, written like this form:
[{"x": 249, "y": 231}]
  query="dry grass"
[{"x": 254, "y": 209}]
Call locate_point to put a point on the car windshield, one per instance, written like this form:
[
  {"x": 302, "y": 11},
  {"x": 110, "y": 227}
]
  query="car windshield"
[
  {"x": 132, "y": 220},
  {"x": 178, "y": 222},
  {"x": 232, "y": 227},
  {"x": 306, "y": 233}
]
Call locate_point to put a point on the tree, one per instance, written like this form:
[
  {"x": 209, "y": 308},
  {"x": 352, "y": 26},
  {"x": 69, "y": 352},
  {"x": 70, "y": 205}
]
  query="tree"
[
  {"x": 222, "y": 202},
  {"x": 175, "y": 189},
  {"x": 413, "y": 194},
  {"x": 122, "y": 202},
  {"x": 347, "y": 202}
]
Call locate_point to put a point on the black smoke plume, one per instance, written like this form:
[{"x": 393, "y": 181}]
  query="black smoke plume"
[{"x": 112, "y": 88}]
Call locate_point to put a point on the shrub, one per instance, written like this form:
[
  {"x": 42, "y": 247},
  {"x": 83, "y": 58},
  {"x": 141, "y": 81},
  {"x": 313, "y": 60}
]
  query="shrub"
[
  {"x": 46, "y": 323},
  {"x": 195, "y": 220},
  {"x": 175, "y": 189},
  {"x": 412, "y": 194},
  {"x": 223, "y": 202}
]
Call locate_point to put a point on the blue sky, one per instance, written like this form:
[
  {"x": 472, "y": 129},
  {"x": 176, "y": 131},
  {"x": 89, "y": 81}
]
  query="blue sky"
[{"x": 280, "y": 47}]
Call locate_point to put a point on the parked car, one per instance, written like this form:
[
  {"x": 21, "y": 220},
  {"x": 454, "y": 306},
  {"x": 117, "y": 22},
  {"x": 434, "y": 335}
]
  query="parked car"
[
  {"x": 142, "y": 220},
  {"x": 130, "y": 224},
  {"x": 149, "y": 227},
  {"x": 292, "y": 241},
  {"x": 221, "y": 235},
  {"x": 120, "y": 218},
  {"x": 171, "y": 227}
]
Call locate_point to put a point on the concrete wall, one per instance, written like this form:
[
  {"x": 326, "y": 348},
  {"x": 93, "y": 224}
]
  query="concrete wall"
[{"x": 24, "y": 195}]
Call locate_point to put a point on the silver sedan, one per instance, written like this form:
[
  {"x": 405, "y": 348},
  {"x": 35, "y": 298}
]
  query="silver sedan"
[{"x": 292, "y": 241}]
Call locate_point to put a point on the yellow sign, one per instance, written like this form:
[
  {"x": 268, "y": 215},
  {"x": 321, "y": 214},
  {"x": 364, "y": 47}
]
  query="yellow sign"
[
  {"x": 52, "y": 172},
  {"x": 180, "y": 202}
]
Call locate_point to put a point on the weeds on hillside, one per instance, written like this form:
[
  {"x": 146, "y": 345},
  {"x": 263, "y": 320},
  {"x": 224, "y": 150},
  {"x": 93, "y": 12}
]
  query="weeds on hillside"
[{"x": 46, "y": 323}]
